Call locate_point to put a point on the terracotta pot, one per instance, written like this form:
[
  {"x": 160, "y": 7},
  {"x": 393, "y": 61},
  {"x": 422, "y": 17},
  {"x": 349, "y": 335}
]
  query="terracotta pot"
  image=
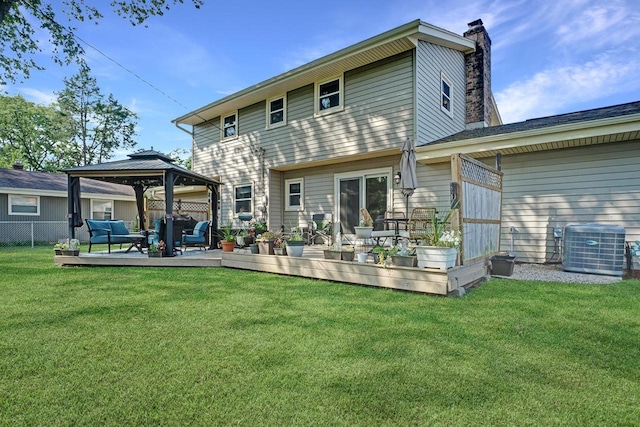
[{"x": 228, "y": 246}]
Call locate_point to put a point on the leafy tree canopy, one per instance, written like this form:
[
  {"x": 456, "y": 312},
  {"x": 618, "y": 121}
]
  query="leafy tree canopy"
[{"x": 20, "y": 19}]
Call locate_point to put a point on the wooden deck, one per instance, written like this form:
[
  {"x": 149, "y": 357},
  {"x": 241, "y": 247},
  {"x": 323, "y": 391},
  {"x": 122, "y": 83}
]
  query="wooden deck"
[{"x": 311, "y": 265}]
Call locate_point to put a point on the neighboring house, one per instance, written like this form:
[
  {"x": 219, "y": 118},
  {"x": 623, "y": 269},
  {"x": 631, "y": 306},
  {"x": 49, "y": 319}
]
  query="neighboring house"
[
  {"x": 326, "y": 137},
  {"x": 27, "y": 196}
]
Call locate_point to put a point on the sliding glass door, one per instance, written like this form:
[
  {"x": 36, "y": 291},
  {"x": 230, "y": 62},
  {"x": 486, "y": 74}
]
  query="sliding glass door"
[{"x": 368, "y": 189}]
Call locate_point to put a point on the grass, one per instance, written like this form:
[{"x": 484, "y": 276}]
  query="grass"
[{"x": 142, "y": 346}]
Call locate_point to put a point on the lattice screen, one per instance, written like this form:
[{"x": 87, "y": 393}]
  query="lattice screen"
[{"x": 480, "y": 206}]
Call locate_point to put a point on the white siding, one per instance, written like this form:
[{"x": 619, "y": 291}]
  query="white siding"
[{"x": 431, "y": 61}]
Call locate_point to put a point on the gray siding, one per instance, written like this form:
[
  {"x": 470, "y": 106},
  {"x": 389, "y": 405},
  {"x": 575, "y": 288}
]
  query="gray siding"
[
  {"x": 431, "y": 60},
  {"x": 578, "y": 185}
]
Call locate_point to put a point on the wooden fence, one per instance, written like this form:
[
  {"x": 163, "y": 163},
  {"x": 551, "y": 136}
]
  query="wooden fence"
[{"x": 478, "y": 192}]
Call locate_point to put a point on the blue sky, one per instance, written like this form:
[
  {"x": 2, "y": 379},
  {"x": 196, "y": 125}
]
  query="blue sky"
[{"x": 548, "y": 57}]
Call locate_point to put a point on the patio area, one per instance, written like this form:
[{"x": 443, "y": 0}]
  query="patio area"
[{"x": 311, "y": 265}]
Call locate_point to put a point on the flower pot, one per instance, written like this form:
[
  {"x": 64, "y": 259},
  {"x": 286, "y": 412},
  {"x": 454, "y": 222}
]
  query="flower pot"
[
  {"x": 502, "y": 265},
  {"x": 278, "y": 251},
  {"x": 240, "y": 241},
  {"x": 404, "y": 260},
  {"x": 228, "y": 246},
  {"x": 363, "y": 232},
  {"x": 254, "y": 248},
  {"x": 266, "y": 248},
  {"x": 329, "y": 254},
  {"x": 70, "y": 252},
  {"x": 58, "y": 251},
  {"x": 295, "y": 248},
  {"x": 436, "y": 257},
  {"x": 362, "y": 257},
  {"x": 157, "y": 254},
  {"x": 347, "y": 256}
]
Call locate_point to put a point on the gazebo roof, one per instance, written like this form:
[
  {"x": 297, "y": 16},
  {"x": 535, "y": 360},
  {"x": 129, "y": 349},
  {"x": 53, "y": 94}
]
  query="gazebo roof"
[{"x": 146, "y": 167}]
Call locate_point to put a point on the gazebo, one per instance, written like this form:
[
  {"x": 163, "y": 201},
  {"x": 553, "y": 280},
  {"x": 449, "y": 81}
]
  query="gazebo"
[{"x": 141, "y": 171}]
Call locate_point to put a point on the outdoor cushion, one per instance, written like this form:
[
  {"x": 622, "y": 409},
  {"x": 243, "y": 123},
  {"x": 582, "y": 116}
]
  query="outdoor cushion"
[
  {"x": 98, "y": 228},
  {"x": 118, "y": 228}
]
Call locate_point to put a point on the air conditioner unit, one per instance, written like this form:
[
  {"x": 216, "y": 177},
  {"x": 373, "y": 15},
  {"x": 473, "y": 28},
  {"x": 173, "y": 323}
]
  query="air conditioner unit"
[{"x": 594, "y": 248}]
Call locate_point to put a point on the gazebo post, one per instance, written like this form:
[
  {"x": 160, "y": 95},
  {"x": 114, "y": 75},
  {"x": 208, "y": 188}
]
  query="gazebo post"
[
  {"x": 213, "y": 239},
  {"x": 168, "y": 191},
  {"x": 70, "y": 210}
]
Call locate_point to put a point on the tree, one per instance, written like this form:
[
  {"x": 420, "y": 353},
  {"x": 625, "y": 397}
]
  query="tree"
[
  {"x": 35, "y": 135},
  {"x": 19, "y": 20},
  {"x": 182, "y": 157},
  {"x": 100, "y": 125}
]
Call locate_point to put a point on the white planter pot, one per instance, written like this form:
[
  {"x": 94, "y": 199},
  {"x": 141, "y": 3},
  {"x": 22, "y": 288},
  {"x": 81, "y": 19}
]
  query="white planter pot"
[
  {"x": 295, "y": 249},
  {"x": 362, "y": 257},
  {"x": 436, "y": 257},
  {"x": 363, "y": 232}
]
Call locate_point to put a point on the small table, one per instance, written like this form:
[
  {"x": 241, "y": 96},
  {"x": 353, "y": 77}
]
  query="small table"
[
  {"x": 138, "y": 244},
  {"x": 396, "y": 223}
]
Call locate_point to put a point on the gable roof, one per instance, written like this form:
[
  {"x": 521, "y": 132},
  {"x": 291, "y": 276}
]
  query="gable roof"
[
  {"x": 13, "y": 180},
  {"x": 596, "y": 126},
  {"x": 382, "y": 46}
]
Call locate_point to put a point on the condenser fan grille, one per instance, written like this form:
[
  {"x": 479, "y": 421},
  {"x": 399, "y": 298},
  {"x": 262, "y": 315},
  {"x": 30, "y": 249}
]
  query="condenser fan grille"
[{"x": 594, "y": 248}]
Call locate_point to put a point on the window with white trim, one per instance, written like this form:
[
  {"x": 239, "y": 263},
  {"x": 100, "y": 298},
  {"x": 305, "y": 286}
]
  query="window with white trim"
[
  {"x": 276, "y": 112},
  {"x": 328, "y": 96},
  {"x": 101, "y": 209},
  {"x": 229, "y": 126},
  {"x": 294, "y": 189},
  {"x": 445, "y": 91},
  {"x": 24, "y": 205},
  {"x": 243, "y": 198}
]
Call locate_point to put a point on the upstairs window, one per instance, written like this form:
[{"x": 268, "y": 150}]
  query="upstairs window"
[
  {"x": 24, "y": 205},
  {"x": 243, "y": 198},
  {"x": 445, "y": 89},
  {"x": 329, "y": 96},
  {"x": 230, "y": 126},
  {"x": 295, "y": 194},
  {"x": 101, "y": 209},
  {"x": 276, "y": 112}
]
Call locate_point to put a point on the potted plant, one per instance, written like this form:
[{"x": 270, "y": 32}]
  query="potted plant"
[
  {"x": 240, "y": 238},
  {"x": 58, "y": 248},
  {"x": 279, "y": 247},
  {"x": 439, "y": 249},
  {"x": 259, "y": 226},
  {"x": 380, "y": 255},
  {"x": 156, "y": 250},
  {"x": 228, "y": 238},
  {"x": 266, "y": 241},
  {"x": 364, "y": 229},
  {"x": 295, "y": 244},
  {"x": 71, "y": 248},
  {"x": 337, "y": 251},
  {"x": 402, "y": 255}
]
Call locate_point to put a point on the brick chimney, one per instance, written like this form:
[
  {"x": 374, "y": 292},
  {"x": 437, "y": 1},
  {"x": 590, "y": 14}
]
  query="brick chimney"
[{"x": 478, "y": 69}]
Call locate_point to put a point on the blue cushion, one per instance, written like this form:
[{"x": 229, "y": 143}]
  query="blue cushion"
[
  {"x": 193, "y": 239},
  {"x": 200, "y": 228},
  {"x": 98, "y": 228},
  {"x": 118, "y": 227}
]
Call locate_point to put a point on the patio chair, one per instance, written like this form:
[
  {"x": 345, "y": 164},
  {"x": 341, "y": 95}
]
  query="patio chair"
[
  {"x": 321, "y": 225},
  {"x": 377, "y": 235},
  {"x": 421, "y": 223},
  {"x": 197, "y": 236}
]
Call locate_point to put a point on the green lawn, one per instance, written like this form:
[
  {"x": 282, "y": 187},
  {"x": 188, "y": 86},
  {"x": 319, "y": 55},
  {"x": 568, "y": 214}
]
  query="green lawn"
[{"x": 142, "y": 346}]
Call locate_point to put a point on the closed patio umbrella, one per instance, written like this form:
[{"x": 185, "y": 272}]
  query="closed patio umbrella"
[{"x": 408, "y": 178}]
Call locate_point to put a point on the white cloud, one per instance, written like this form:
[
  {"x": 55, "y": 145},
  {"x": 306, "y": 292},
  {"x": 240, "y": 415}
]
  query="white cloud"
[
  {"x": 552, "y": 90},
  {"x": 37, "y": 96}
]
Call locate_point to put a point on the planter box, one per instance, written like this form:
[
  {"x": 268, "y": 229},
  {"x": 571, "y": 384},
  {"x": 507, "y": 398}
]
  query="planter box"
[
  {"x": 70, "y": 252},
  {"x": 502, "y": 265},
  {"x": 157, "y": 254},
  {"x": 404, "y": 260},
  {"x": 436, "y": 257},
  {"x": 266, "y": 248}
]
